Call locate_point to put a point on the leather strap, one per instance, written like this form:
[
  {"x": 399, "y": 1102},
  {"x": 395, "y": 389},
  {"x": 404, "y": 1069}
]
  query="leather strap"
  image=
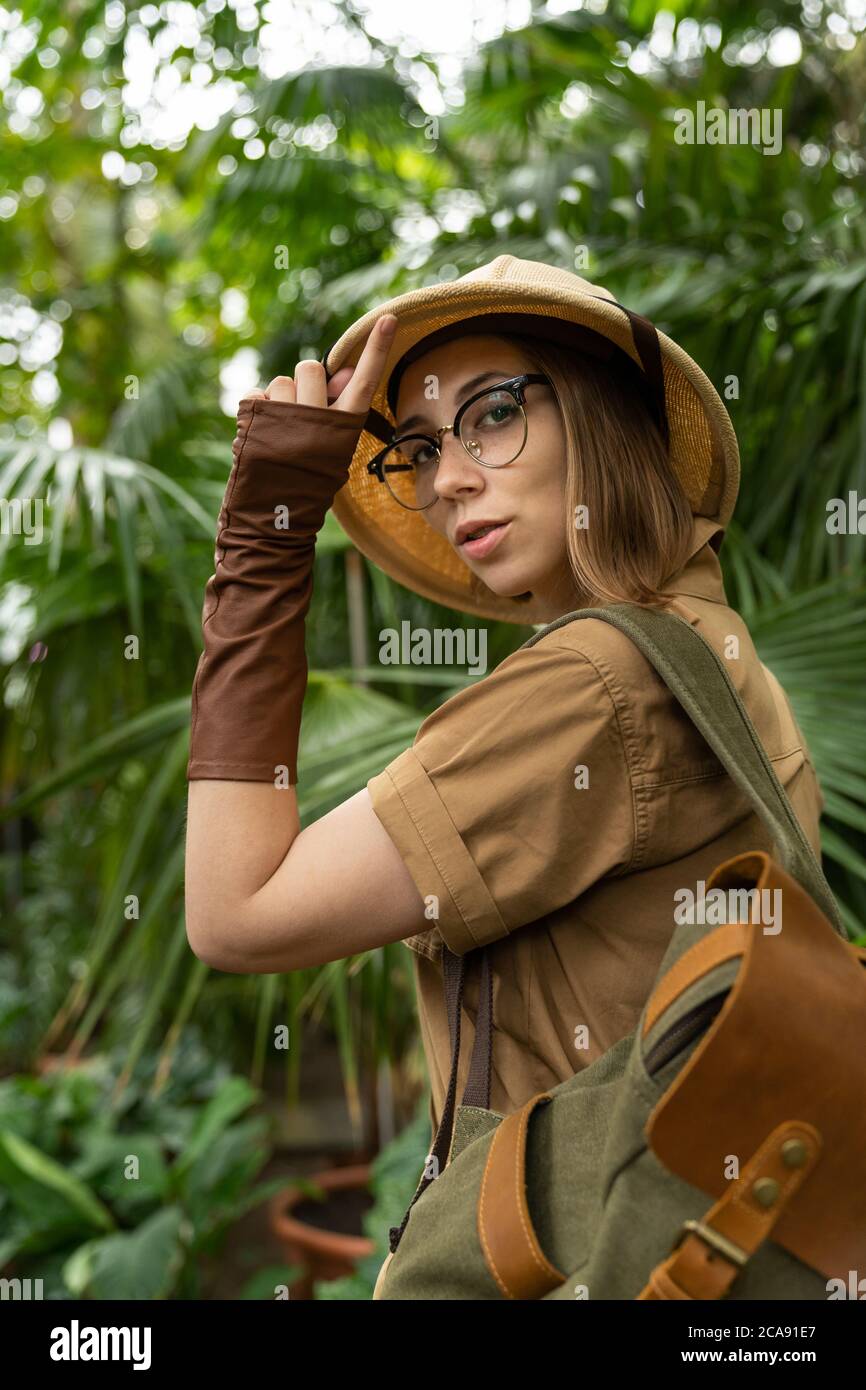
[
  {"x": 786, "y": 1042},
  {"x": 511, "y": 1249},
  {"x": 711, "y": 1253},
  {"x": 722, "y": 944}
]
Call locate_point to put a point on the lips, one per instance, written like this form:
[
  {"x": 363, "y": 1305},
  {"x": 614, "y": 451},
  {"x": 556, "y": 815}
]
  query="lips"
[
  {"x": 468, "y": 528},
  {"x": 483, "y": 545}
]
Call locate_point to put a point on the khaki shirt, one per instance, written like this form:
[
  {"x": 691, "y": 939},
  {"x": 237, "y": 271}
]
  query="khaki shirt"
[{"x": 574, "y": 888}]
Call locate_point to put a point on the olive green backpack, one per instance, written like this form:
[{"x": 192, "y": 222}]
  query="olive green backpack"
[{"x": 719, "y": 1150}]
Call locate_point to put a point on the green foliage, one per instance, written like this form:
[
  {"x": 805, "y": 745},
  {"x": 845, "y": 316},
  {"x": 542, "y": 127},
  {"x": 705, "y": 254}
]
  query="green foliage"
[
  {"x": 395, "y": 1174},
  {"x": 103, "y": 1198}
]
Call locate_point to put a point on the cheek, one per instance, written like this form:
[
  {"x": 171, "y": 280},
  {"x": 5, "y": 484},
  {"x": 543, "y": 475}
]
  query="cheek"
[
  {"x": 545, "y": 476},
  {"x": 435, "y": 523},
  {"x": 543, "y": 496}
]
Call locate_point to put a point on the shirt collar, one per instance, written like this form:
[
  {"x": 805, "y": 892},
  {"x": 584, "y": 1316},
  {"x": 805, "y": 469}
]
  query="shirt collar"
[{"x": 701, "y": 575}]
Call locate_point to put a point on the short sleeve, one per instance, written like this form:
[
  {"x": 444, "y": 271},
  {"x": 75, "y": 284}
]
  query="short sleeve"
[{"x": 514, "y": 798}]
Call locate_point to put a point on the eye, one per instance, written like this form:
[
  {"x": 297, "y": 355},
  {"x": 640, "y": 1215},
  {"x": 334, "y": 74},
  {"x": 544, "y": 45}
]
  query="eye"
[
  {"x": 422, "y": 454},
  {"x": 499, "y": 414},
  {"x": 494, "y": 411}
]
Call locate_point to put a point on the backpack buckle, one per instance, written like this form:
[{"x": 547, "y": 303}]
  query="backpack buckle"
[{"x": 715, "y": 1240}]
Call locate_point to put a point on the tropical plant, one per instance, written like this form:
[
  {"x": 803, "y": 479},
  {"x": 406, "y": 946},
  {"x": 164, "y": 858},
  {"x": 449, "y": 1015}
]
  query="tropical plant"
[{"x": 106, "y": 1198}]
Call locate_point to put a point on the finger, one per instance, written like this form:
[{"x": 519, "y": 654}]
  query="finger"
[
  {"x": 339, "y": 381},
  {"x": 256, "y": 395},
  {"x": 368, "y": 373},
  {"x": 310, "y": 383},
  {"x": 282, "y": 388}
]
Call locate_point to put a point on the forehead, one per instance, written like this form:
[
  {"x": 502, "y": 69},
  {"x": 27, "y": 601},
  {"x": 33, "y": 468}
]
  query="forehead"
[{"x": 455, "y": 362}]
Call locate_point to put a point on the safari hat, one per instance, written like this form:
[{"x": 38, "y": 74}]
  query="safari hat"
[{"x": 531, "y": 297}]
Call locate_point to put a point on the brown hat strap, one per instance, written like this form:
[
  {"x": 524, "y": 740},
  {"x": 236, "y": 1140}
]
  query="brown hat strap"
[
  {"x": 646, "y": 341},
  {"x": 377, "y": 425}
]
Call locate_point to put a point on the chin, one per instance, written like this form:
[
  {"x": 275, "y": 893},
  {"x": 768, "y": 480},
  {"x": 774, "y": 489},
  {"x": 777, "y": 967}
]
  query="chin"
[
  {"x": 502, "y": 579},
  {"x": 513, "y": 588}
]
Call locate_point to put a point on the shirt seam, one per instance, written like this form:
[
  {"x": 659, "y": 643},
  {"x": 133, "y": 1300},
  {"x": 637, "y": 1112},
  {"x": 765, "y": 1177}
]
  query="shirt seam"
[
  {"x": 719, "y": 772},
  {"x": 639, "y": 819}
]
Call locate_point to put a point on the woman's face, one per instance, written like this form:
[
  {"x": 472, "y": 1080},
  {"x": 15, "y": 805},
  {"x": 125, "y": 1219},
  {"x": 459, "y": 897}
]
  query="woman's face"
[{"x": 527, "y": 496}]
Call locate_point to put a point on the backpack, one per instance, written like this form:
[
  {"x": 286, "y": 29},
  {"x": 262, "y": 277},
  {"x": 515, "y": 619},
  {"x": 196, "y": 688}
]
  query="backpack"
[{"x": 718, "y": 1151}]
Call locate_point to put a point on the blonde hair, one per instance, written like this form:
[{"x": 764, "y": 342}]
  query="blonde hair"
[{"x": 640, "y": 519}]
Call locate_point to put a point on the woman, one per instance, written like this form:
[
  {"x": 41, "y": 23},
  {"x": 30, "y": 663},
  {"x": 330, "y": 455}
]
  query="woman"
[{"x": 553, "y": 809}]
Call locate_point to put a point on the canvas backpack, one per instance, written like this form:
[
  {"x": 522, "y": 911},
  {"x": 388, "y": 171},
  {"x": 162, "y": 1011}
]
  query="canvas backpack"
[{"x": 719, "y": 1150}]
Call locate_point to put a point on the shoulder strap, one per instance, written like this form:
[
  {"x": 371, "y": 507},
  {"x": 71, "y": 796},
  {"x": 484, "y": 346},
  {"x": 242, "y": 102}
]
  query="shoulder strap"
[
  {"x": 477, "y": 1088},
  {"x": 696, "y": 675}
]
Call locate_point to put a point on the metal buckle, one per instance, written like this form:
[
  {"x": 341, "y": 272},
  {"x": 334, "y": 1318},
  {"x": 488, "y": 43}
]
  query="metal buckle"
[{"x": 716, "y": 1241}]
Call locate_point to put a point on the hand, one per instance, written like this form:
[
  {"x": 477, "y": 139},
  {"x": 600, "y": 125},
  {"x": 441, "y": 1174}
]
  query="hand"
[{"x": 351, "y": 388}]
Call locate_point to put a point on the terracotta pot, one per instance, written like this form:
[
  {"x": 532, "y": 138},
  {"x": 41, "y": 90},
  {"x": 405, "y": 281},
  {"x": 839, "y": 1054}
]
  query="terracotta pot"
[{"x": 323, "y": 1254}]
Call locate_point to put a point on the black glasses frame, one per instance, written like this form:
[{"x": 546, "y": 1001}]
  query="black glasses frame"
[{"x": 515, "y": 386}]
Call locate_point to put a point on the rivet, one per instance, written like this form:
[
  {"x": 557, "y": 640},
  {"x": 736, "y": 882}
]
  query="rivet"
[
  {"x": 765, "y": 1191},
  {"x": 794, "y": 1153}
]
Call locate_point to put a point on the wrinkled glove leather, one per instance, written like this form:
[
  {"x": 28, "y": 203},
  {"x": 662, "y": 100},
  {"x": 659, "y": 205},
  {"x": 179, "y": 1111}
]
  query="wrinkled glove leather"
[{"x": 251, "y": 677}]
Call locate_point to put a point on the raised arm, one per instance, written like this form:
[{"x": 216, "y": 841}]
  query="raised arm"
[{"x": 262, "y": 895}]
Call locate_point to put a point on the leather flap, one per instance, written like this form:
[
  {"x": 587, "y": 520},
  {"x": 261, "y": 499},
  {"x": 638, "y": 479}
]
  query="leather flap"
[{"x": 787, "y": 1045}]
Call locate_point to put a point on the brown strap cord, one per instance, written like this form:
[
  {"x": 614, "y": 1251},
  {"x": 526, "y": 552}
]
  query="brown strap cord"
[
  {"x": 477, "y": 1089},
  {"x": 723, "y": 944}
]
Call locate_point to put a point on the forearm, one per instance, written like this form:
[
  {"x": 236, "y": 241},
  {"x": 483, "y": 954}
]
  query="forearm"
[{"x": 289, "y": 461}]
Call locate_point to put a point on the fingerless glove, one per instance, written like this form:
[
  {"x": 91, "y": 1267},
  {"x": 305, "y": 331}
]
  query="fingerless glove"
[{"x": 289, "y": 461}]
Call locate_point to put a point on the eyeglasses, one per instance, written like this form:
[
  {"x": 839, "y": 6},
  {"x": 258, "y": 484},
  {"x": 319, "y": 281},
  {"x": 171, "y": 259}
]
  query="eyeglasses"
[{"x": 491, "y": 426}]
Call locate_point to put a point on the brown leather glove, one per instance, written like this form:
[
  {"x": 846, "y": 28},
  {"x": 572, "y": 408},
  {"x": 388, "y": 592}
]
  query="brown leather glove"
[{"x": 289, "y": 461}]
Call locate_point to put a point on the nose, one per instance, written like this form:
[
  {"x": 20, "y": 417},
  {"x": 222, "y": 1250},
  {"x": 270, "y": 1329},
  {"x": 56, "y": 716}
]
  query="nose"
[{"x": 456, "y": 471}]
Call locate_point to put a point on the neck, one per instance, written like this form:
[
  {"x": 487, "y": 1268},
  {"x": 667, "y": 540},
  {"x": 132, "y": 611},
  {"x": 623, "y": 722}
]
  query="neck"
[{"x": 558, "y": 596}]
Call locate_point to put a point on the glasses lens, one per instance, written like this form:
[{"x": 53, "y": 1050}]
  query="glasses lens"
[
  {"x": 410, "y": 468},
  {"x": 493, "y": 429}
]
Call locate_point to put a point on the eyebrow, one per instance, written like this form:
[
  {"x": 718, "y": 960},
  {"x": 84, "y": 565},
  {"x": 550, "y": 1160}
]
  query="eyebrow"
[{"x": 465, "y": 390}]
